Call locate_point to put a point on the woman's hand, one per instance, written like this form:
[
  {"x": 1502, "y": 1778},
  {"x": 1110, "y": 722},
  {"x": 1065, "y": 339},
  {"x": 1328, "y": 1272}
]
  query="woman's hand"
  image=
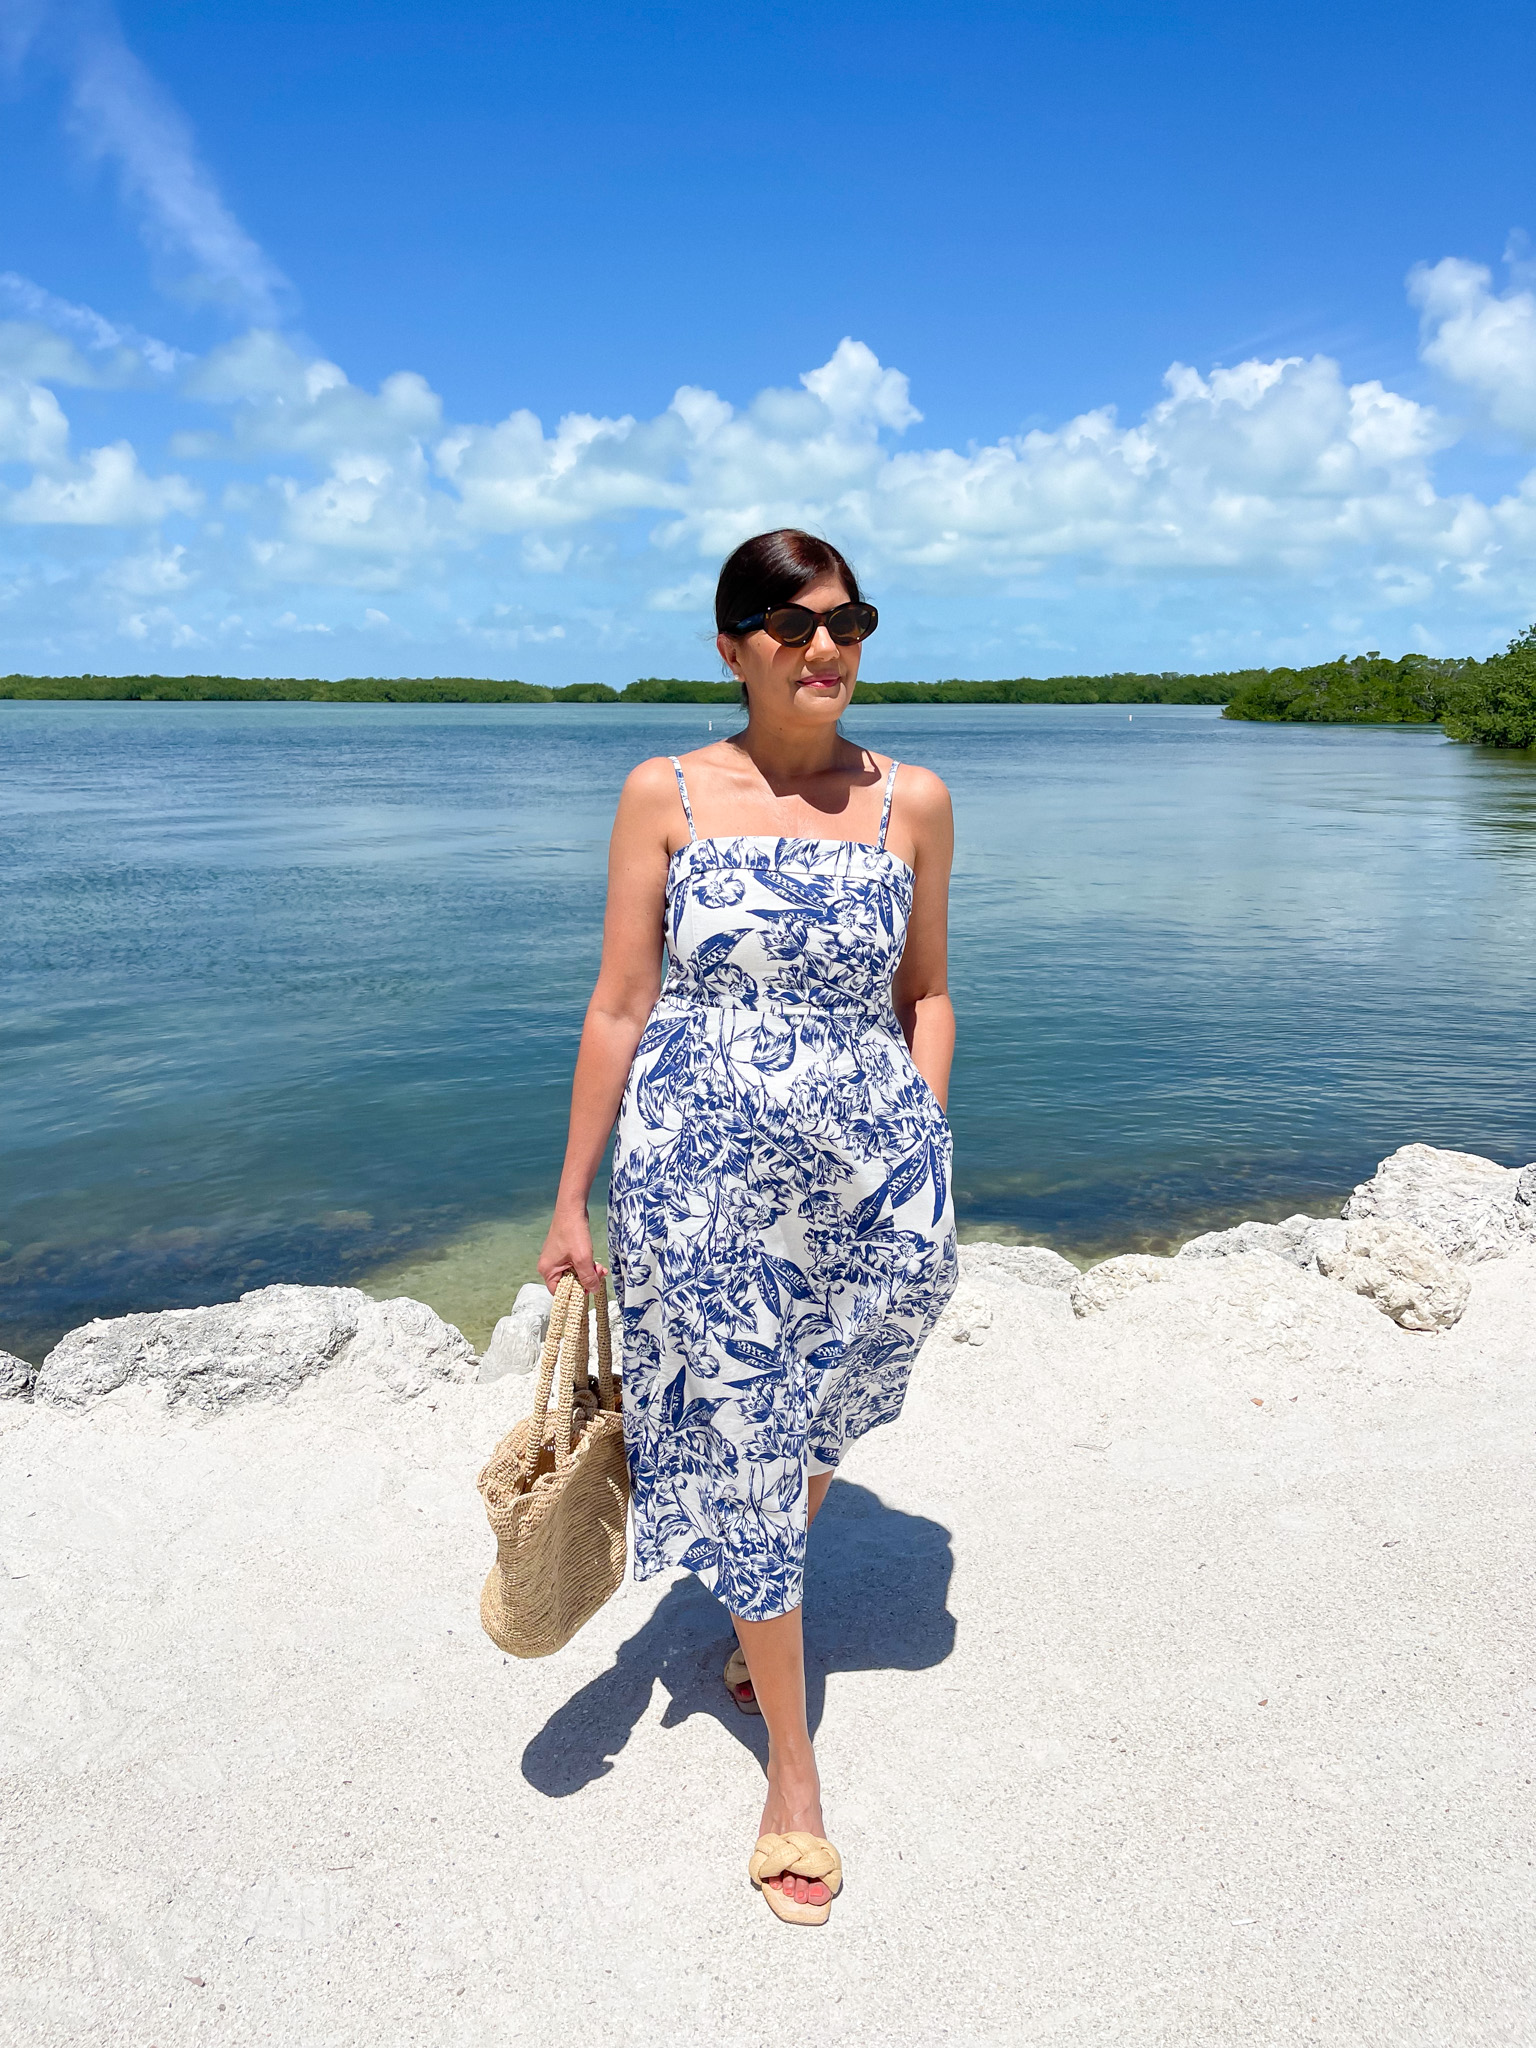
[{"x": 568, "y": 1249}]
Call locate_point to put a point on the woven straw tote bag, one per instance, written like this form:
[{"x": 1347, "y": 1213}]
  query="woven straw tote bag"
[{"x": 557, "y": 1492}]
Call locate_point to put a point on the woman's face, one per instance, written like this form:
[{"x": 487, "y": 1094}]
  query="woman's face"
[{"x": 811, "y": 683}]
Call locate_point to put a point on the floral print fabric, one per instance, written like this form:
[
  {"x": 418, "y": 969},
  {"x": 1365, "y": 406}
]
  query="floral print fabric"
[{"x": 780, "y": 1222}]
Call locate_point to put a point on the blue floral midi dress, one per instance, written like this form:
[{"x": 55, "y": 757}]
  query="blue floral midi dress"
[{"x": 780, "y": 1222}]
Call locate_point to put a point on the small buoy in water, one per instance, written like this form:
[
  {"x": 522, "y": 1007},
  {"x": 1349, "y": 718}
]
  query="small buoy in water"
[
  {"x": 711, "y": 725},
  {"x": 1130, "y": 718}
]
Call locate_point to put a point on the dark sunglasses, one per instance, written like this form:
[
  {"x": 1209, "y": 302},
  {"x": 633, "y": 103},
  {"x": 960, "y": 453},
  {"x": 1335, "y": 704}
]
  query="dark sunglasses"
[{"x": 794, "y": 625}]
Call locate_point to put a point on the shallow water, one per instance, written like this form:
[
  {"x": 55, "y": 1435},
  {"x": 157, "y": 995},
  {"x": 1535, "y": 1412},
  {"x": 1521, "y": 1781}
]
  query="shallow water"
[{"x": 293, "y": 991}]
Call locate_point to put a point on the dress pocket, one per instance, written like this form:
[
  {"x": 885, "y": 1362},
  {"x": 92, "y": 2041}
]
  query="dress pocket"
[{"x": 935, "y": 1107}]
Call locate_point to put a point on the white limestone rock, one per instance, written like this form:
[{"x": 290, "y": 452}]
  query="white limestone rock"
[
  {"x": 1397, "y": 1266},
  {"x": 518, "y": 1339},
  {"x": 16, "y": 1377},
  {"x": 409, "y": 1345},
  {"x": 1323, "y": 1239},
  {"x": 1400, "y": 1268},
  {"x": 1035, "y": 1264},
  {"x": 1254, "y": 1326},
  {"x": 1298, "y": 1239},
  {"x": 263, "y": 1345},
  {"x": 1112, "y": 1279},
  {"x": 967, "y": 1315},
  {"x": 1472, "y": 1208},
  {"x": 1280, "y": 1240}
]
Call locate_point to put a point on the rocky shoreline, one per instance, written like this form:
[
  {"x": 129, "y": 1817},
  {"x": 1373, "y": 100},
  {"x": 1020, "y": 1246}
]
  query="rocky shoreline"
[{"x": 1405, "y": 1240}]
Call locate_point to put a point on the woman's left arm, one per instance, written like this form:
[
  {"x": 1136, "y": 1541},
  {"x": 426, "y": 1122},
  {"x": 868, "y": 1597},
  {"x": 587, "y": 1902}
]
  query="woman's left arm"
[{"x": 921, "y": 988}]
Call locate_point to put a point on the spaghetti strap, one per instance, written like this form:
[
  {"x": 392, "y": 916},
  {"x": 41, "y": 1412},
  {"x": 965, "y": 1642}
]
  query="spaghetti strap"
[
  {"x": 682, "y": 790},
  {"x": 885, "y": 815}
]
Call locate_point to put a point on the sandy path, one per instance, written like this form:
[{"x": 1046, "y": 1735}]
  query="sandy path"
[{"x": 1148, "y": 1714}]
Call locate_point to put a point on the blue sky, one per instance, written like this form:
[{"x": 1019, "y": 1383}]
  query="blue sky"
[{"x": 386, "y": 340}]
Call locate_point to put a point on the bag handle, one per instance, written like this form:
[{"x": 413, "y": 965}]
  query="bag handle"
[
  {"x": 564, "y": 1360},
  {"x": 607, "y": 1397}
]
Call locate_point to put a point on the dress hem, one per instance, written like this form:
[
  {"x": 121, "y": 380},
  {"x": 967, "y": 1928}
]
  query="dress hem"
[{"x": 640, "y": 1571}]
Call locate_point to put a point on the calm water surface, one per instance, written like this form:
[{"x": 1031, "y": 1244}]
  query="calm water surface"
[{"x": 293, "y": 991}]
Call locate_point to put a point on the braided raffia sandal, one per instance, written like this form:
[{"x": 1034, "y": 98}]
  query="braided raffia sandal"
[
  {"x": 796, "y": 1855},
  {"x": 738, "y": 1679}
]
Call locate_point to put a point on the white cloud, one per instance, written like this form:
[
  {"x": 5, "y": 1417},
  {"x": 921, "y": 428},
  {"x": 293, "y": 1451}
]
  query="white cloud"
[
  {"x": 119, "y": 111},
  {"x": 510, "y": 477},
  {"x": 858, "y": 392},
  {"x": 821, "y": 439},
  {"x": 160, "y": 624},
  {"x": 374, "y": 501},
  {"x": 503, "y": 627},
  {"x": 366, "y": 505},
  {"x": 1269, "y": 468},
  {"x": 126, "y": 345},
  {"x": 1297, "y": 492},
  {"x": 152, "y": 573},
  {"x": 694, "y": 595},
  {"x": 1481, "y": 339},
  {"x": 282, "y": 402},
  {"x": 33, "y": 428},
  {"x": 32, "y": 353},
  {"x": 105, "y": 488},
  {"x": 545, "y": 558},
  {"x": 1266, "y": 467}
]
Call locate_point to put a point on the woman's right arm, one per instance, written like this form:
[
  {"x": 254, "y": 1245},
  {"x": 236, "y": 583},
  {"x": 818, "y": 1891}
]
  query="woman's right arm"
[{"x": 628, "y": 983}]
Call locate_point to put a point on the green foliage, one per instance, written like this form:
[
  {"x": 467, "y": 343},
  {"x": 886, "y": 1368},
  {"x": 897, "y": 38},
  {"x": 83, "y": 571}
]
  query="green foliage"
[
  {"x": 1168, "y": 688},
  {"x": 1126, "y": 689},
  {"x": 235, "y": 689},
  {"x": 1118, "y": 689},
  {"x": 1365, "y": 691},
  {"x": 670, "y": 690},
  {"x": 1499, "y": 707},
  {"x": 1490, "y": 701}
]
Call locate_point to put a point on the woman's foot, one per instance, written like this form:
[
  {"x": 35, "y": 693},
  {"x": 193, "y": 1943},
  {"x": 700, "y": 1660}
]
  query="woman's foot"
[
  {"x": 793, "y": 1806},
  {"x": 738, "y": 1683}
]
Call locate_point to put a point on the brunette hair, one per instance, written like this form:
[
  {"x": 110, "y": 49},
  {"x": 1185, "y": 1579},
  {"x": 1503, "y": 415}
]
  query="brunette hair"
[{"x": 772, "y": 568}]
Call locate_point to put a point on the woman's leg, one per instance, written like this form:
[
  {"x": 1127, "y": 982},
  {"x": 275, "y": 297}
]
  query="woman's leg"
[
  {"x": 775, "y": 1654},
  {"x": 816, "y": 1493}
]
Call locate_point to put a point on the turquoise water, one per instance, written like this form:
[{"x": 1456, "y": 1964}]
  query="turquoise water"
[{"x": 293, "y": 991}]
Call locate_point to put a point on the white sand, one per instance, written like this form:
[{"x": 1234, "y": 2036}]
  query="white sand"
[{"x": 1148, "y": 1715}]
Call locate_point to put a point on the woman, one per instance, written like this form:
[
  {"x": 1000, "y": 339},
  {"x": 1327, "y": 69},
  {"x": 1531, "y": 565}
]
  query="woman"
[{"x": 780, "y": 1220}]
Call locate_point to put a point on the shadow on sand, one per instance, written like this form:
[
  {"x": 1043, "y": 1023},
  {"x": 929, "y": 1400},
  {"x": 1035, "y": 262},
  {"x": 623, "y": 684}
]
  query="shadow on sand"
[{"x": 877, "y": 1589}]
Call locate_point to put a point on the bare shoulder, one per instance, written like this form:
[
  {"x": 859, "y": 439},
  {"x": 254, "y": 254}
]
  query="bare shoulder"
[
  {"x": 925, "y": 799},
  {"x": 650, "y": 782},
  {"x": 649, "y": 810}
]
